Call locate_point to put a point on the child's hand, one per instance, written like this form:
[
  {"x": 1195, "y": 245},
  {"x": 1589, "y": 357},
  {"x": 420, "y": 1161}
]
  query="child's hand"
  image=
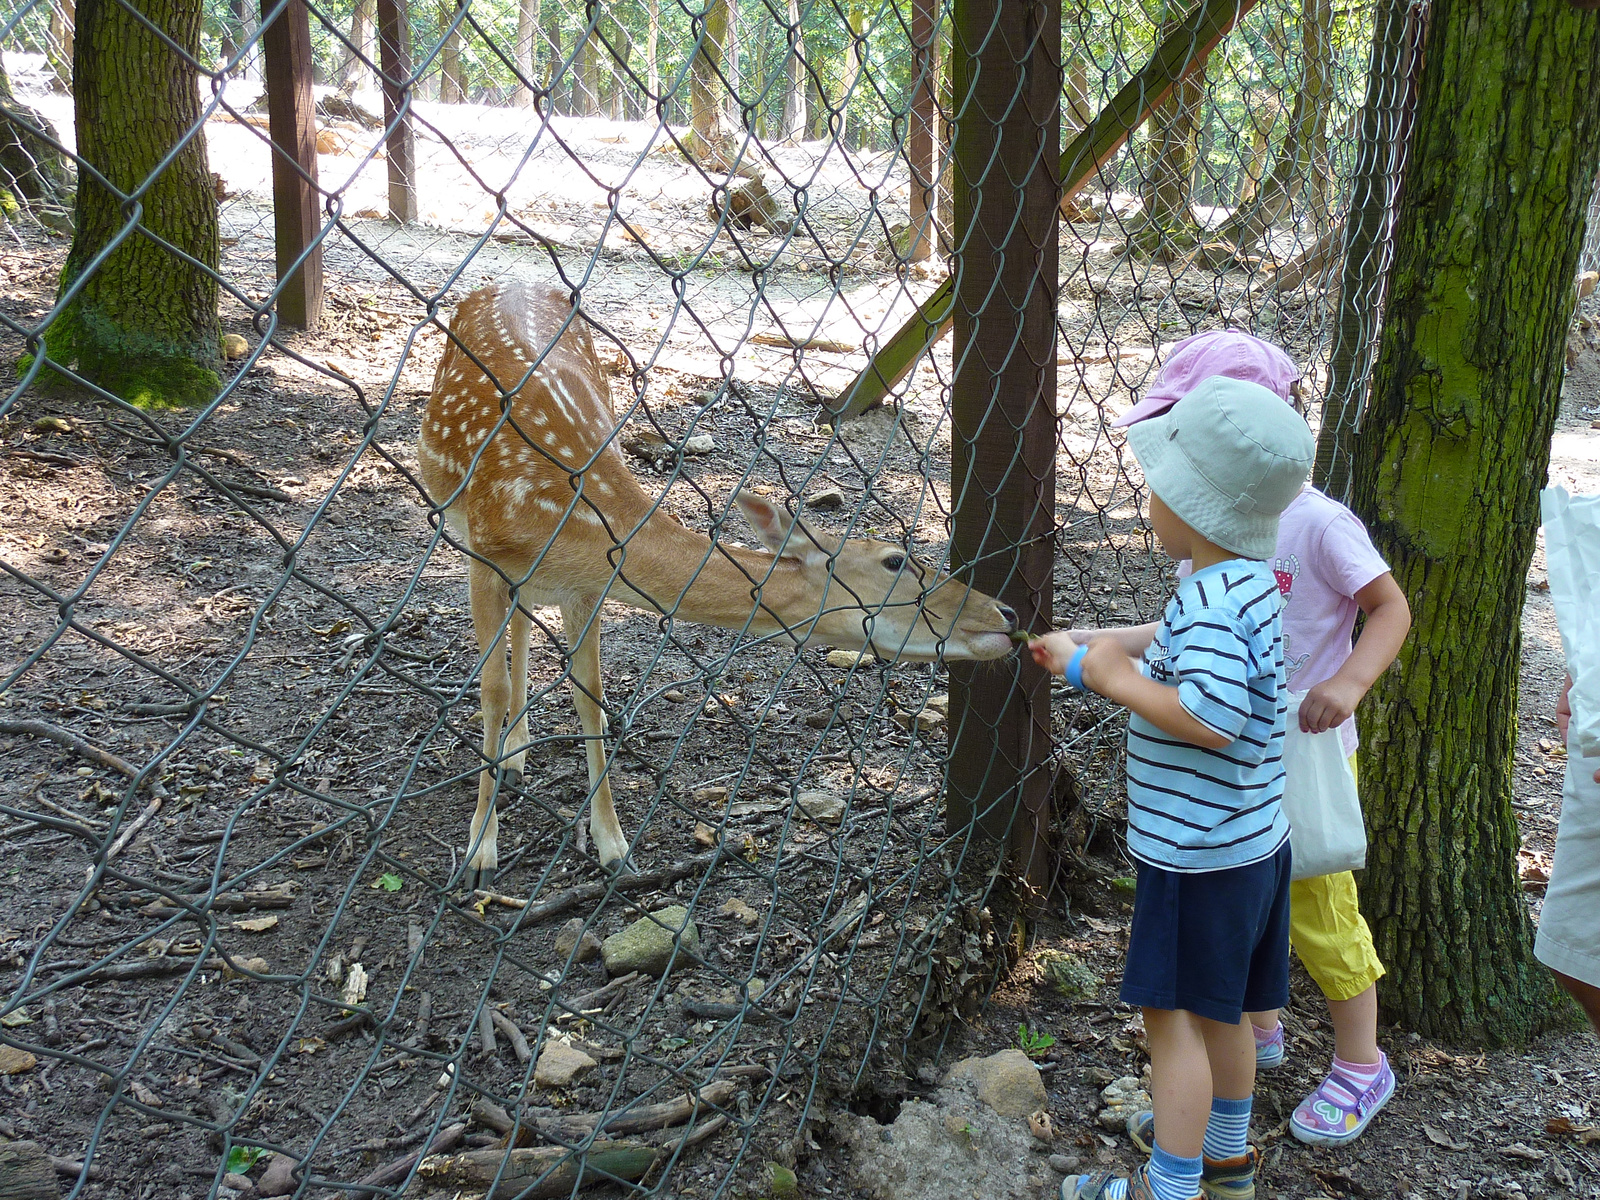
[
  {"x": 1329, "y": 705},
  {"x": 1105, "y": 665},
  {"x": 1052, "y": 650}
]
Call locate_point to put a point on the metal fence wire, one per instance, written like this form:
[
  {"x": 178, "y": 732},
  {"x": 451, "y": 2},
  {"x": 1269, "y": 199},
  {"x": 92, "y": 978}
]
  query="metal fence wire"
[{"x": 239, "y": 684}]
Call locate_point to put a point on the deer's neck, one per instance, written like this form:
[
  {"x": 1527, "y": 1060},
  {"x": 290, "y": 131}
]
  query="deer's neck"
[{"x": 672, "y": 569}]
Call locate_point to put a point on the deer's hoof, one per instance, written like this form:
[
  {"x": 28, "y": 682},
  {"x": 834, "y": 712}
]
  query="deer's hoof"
[{"x": 480, "y": 879}]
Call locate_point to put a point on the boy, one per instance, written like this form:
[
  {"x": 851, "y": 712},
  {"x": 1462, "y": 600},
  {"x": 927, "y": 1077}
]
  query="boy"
[{"x": 1210, "y": 938}]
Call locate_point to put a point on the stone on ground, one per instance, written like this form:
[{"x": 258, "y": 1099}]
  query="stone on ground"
[
  {"x": 647, "y": 945},
  {"x": 1123, "y": 1100},
  {"x": 574, "y": 936},
  {"x": 559, "y": 1064},
  {"x": 1007, "y": 1082}
]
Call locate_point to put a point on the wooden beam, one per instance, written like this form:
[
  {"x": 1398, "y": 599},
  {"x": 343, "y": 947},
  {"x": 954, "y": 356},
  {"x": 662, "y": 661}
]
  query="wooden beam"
[
  {"x": 394, "y": 60},
  {"x": 1183, "y": 52},
  {"x": 292, "y": 125}
]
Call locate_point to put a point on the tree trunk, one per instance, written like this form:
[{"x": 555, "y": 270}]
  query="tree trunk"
[
  {"x": 31, "y": 168},
  {"x": 1307, "y": 132},
  {"x": 707, "y": 135},
  {"x": 924, "y": 177},
  {"x": 652, "y": 47},
  {"x": 794, "y": 99},
  {"x": 451, "y": 88},
  {"x": 144, "y": 325},
  {"x": 855, "y": 53},
  {"x": 364, "y": 37},
  {"x": 1450, "y": 459},
  {"x": 588, "y": 82},
  {"x": 1263, "y": 120},
  {"x": 552, "y": 36},
  {"x": 58, "y": 51},
  {"x": 1398, "y": 34},
  {"x": 245, "y": 24},
  {"x": 1006, "y": 76},
  {"x": 527, "y": 51},
  {"x": 1174, "y": 134},
  {"x": 732, "y": 110}
]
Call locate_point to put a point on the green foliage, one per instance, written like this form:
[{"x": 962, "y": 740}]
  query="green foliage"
[
  {"x": 390, "y": 882},
  {"x": 1034, "y": 1042},
  {"x": 242, "y": 1158}
]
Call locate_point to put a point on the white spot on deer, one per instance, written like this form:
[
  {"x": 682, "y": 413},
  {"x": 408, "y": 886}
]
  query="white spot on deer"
[
  {"x": 565, "y": 451},
  {"x": 540, "y": 419},
  {"x": 604, "y": 488},
  {"x": 550, "y": 438},
  {"x": 549, "y": 506},
  {"x": 463, "y": 428}
]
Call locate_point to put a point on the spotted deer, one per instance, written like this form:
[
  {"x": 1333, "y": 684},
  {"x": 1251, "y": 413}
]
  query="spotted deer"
[{"x": 545, "y": 501}]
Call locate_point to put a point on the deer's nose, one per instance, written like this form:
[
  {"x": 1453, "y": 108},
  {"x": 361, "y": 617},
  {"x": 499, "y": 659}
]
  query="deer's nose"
[{"x": 1009, "y": 616}]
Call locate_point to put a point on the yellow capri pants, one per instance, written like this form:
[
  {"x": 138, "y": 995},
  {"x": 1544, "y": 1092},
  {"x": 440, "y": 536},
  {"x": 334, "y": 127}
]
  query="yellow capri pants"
[{"x": 1330, "y": 935}]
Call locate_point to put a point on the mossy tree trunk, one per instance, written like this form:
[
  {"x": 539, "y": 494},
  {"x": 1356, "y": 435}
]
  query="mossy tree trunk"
[
  {"x": 1449, "y": 461},
  {"x": 144, "y": 325},
  {"x": 1172, "y": 151}
]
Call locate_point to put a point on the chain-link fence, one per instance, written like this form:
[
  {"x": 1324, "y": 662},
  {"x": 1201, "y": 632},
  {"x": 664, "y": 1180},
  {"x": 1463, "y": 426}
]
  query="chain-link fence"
[{"x": 241, "y": 687}]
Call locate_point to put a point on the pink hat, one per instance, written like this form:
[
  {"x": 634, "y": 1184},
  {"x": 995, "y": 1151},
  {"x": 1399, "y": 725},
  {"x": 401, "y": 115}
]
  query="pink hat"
[{"x": 1227, "y": 352}]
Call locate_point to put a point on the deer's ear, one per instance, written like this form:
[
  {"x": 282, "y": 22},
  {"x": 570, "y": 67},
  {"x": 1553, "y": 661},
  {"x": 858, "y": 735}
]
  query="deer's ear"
[{"x": 786, "y": 536}]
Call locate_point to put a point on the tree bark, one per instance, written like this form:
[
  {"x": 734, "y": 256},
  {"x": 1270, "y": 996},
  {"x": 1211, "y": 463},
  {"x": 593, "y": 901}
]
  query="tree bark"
[
  {"x": 58, "y": 52},
  {"x": 854, "y": 55},
  {"x": 1398, "y": 34},
  {"x": 1450, "y": 459},
  {"x": 924, "y": 113},
  {"x": 31, "y": 168},
  {"x": 1305, "y": 137},
  {"x": 1006, "y": 77},
  {"x": 1173, "y": 146},
  {"x": 527, "y": 51},
  {"x": 707, "y": 134},
  {"x": 144, "y": 326},
  {"x": 588, "y": 89},
  {"x": 652, "y": 51},
  {"x": 795, "y": 118},
  {"x": 364, "y": 37},
  {"x": 558, "y": 82},
  {"x": 451, "y": 87}
]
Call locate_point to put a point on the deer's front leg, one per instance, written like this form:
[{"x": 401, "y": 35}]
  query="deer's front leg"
[
  {"x": 581, "y": 624},
  {"x": 489, "y": 605}
]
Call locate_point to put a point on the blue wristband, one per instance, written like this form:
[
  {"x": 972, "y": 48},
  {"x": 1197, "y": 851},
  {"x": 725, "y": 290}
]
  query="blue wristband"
[{"x": 1074, "y": 671}]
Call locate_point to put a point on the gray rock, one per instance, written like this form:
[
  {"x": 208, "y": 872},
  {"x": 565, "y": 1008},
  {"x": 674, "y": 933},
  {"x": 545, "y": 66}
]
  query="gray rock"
[
  {"x": 1067, "y": 974},
  {"x": 953, "y": 1148},
  {"x": 1007, "y": 1082},
  {"x": 822, "y": 807},
  {"x": 826, "y": 498},
  {"x": 559, "y": 1064},
  {"x": 1065, "y": 1163},
  {"x": 1123, "y": 1099},
  {"x": 278, "y": 1179},
  {"x": 647, "y": 945},
  {"x": 574, "y": 936},
  {"x": 700, "y": 443}
]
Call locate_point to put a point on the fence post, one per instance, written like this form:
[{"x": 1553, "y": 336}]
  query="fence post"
[
  {"x": 919, "y": 130},
  {"x": 1006, "y": 63},
  {"x": 292, "y": 121},
  {"x": 394, "y": 57}
]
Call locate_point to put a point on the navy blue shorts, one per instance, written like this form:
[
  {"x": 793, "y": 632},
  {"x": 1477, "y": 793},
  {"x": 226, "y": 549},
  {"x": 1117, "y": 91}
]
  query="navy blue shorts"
[{"x": 1214, "y": 943}]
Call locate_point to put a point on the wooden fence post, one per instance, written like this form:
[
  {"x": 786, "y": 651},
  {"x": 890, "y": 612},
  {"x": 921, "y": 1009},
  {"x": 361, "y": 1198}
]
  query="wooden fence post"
[
  {"x": 1006, "y": 71},
  {"x": 394, "y": 51},
  {"x": 292, "y": 122}
]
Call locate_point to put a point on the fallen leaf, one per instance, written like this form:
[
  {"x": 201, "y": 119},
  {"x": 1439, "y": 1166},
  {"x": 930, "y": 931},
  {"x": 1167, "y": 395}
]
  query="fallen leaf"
[
  {"x": 145, "y": 1096},
  {"x": 737, "y": 908},
  {"x": 256, "y": 924},
  {"x": 17, "y": 1016},
  {"x": 1440, "y": 1139},
  {"x": 1563, "y": 1127},
  {"x": 1518, "y": 1150},
  {"x": 311, "y": 1045}
]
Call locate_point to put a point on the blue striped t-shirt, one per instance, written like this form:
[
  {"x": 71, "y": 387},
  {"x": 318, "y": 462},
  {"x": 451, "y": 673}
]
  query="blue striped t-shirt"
[{"x": 1220, "y": 642}]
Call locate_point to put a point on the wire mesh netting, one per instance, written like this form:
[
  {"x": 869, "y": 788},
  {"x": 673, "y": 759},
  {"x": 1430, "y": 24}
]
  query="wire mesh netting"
[{"x": 241, "y": 683}]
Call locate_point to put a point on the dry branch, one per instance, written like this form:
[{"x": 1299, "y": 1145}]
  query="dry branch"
[
  {"x": 642, "y": 1119},
  {"x": 519, "y": 1043},
  {"x": 391, "y": 1173},
  {"x": 559, "y": 1168},
  {"x": 82, "y": 748},
  {"x": 644, "y": 881},
  {"x": 281, "y": 896}
]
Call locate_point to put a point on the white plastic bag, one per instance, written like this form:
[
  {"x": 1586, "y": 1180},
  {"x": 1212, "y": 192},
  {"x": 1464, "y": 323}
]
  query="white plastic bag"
[
  {"x": 1326, "y": 832},
  {"x": 1572, "y": 558}
]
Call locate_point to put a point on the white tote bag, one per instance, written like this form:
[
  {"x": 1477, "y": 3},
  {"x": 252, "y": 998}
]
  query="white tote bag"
[{"x": 1326, "y": 832}]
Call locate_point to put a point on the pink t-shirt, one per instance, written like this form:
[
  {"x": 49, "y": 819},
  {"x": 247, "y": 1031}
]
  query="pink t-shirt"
[{"x": 1323, "y": 558}]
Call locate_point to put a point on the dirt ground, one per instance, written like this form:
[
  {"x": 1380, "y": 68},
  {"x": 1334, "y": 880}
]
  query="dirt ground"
[{"x": 295, "y": 662}]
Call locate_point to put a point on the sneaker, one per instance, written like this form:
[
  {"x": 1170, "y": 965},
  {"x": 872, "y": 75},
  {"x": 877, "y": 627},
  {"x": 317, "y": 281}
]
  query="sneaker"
[
  {"x": 1269, "y": 1054},
  {"x": 1099, "y": 1184},
  {"x": 1326, "y": 1118},
  {"x": 1220, "y": 1178}
]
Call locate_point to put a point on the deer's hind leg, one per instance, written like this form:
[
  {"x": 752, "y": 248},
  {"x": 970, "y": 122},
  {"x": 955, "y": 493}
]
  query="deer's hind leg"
[
  {"x": 581, "y": 624},
  {"x": 517, "y": 739},
  {"x": 490, "y": 601}
]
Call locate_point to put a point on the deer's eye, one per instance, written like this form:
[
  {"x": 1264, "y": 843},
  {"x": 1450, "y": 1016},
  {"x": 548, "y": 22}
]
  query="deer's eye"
[{"x": 894, "y": 562}]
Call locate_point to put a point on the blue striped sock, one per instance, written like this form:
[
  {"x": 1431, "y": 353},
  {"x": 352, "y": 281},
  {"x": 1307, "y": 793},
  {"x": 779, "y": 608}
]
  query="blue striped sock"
[
  {"x": 1228, "y": 1130},
  {"x": 1171, "y": 1177}
]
